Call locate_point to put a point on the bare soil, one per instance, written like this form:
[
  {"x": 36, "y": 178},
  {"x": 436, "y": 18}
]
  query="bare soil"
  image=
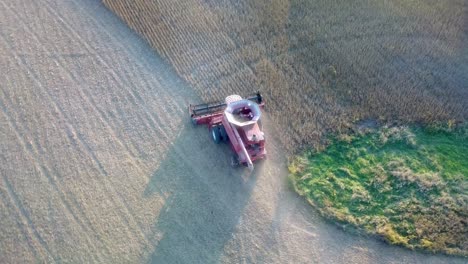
[{"x": 99, "y": 162}]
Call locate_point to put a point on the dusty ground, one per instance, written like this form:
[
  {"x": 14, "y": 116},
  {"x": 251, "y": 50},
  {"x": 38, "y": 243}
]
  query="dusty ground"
[{"x": 99, "y": 164}]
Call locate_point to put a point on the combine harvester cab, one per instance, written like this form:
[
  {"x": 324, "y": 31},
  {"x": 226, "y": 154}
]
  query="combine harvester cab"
[{"x": 236, "y": 121}]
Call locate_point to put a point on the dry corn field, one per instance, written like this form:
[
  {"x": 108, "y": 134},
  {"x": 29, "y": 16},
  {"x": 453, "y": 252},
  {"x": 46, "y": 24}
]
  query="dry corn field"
[
  {"x": 321, "y": 64},
  {"x": 99, "y": 163}
]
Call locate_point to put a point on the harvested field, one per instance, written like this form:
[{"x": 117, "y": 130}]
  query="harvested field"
[
  {"x": 99, "y": 164},
  {"x": 324, "y": 63}
]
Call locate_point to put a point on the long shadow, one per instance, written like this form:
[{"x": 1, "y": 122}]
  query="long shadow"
[{"x": 205, "y": 198}]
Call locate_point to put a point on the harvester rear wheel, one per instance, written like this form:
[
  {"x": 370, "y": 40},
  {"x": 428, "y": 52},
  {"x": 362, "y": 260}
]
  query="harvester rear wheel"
[
  {"x": 234, "y": 161},
  {"x": 215, "y": 134}
]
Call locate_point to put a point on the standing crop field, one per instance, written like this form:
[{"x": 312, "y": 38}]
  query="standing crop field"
[{"x": 321, "y": 64}]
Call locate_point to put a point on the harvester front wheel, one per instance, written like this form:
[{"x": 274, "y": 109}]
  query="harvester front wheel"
[
  {"x": 215, "y": 134},
  {"x": 223, "y": 133}
]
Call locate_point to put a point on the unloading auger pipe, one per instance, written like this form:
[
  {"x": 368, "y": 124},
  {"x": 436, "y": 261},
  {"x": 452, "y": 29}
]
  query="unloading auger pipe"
[{"x": 243, "y": 149}]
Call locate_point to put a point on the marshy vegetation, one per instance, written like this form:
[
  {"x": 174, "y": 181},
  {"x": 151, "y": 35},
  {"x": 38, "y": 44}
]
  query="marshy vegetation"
[{"x": 407, "y": 185}]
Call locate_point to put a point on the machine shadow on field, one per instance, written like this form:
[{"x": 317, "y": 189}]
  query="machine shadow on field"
[{"x": 204, "y": 198}]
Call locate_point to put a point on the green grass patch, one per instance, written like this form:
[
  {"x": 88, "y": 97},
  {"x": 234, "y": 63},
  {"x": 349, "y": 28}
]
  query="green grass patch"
[{"x": 407, "y": 185}]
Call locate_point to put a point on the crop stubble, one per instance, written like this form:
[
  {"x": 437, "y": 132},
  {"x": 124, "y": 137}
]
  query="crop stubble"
[{"x": 69, "y": 143}]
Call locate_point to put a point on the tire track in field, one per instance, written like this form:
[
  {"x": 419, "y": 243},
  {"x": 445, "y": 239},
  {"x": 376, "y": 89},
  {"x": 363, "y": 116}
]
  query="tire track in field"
[
  {"x": 116, "y": 77},
  {"x": 142, "y": 62},
  {"x": 72, "y": 136},
  {"x": 130, "y": 148},
  {"x": 17, "y": 215},
  {"x": 150, "y": 124},
  {"x": 53, "y": 181},
  {"x": 13, "y": 197},
  {"x": 33, "y": 154},
  {"x": 151, "y": 121},
  {"x": 100, "y": 166},
  {"x": 87, "y": 97},
  {"x": 129, "y": 214},
  {"x": 25, "y": 215}
]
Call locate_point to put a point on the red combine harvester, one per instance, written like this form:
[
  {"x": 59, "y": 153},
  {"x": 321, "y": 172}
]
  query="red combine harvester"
[{"x": 237, "y": 120}]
